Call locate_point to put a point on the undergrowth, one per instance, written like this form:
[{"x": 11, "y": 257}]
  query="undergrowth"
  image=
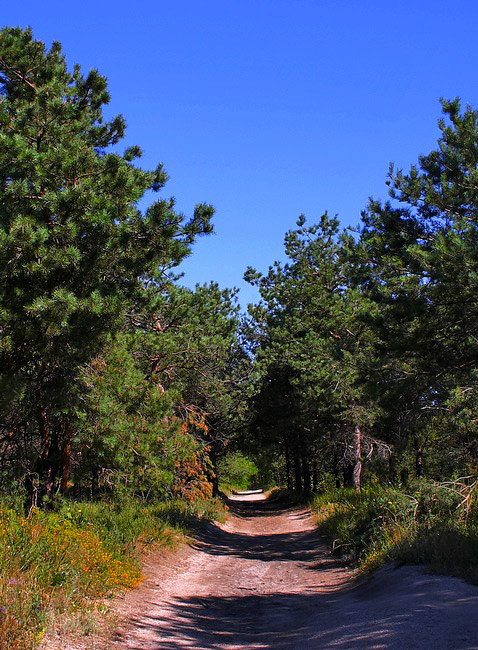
[
  {"x": 62, "y": 563},
  {"x": 284, "y": 497},
  {"x": 432, "y": 523},
  {"x": 236, "y": 472}
]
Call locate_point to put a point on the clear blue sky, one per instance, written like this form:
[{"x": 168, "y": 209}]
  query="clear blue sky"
[{"x": 269, "y": 108}]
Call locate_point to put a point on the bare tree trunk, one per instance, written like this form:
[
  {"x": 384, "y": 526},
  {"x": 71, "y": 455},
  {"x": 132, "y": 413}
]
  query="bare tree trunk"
[
  {"x": 418, "y": 460},
  {"x": 288, "y": 469},
  {"x": 357, "y": 471}
]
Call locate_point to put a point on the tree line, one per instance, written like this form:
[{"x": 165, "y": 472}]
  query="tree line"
[
  {"x": 359, "y": 358},
  {"x": 366, "y": 341}
]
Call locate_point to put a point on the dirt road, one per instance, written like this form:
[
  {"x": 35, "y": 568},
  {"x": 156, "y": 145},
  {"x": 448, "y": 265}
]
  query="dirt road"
[{"x": 265, "y": 579}]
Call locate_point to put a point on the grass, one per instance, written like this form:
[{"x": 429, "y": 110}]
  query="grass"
[
  {"x": 59, "y": 565},
  {"x": 432, "y": 524}
]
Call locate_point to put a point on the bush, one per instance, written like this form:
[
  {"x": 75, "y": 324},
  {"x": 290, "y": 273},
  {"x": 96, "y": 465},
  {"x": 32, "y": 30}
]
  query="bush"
[{"x": 236, "y": 472}]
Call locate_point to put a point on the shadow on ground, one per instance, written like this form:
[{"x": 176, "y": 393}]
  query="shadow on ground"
[
  {"x": 264, "y": 508},
  {"x": 325, "y": 620},
  {"x": 395, "y": 609},
  {"x": 306, "y": 547}
]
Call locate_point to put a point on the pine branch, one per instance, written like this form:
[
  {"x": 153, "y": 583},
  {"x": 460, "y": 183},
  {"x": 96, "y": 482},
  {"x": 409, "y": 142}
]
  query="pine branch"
[{"x": 17, "y": 74}]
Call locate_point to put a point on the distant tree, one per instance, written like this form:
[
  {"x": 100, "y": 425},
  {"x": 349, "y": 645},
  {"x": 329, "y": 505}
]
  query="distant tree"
[{"x": 315, "y": 351}]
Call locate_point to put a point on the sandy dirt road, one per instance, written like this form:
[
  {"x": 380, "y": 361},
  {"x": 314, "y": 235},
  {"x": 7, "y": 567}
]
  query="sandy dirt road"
[{"x": 265, "y": 579}]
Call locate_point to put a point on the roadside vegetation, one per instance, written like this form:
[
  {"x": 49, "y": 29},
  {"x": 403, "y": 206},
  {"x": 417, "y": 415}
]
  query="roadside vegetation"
[
  {"x": 58, "y": 567},
  {"x": 236, "y": 472},
  {"x": 117, "y": 385},
  {"x": 435, "y": 524}
]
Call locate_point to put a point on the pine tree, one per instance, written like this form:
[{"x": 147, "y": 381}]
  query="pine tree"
[
  {"x": 196, "y": 348},
  {"x": 75, "y": 250},
  {"x": 421, "y": 252},
  {"x": 314, "y": 354}
]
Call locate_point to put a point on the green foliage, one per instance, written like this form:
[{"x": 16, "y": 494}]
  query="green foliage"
[
  {"x": 53, "y": 564},
  {"x": 366, "y": 347},
  {"x": 75, "y": 250},
  {"x": 115, "y": 383},
  {"x": 111, "y": 377},
  {"x": 47, "y": 561},
  {"x": 236, "y": 471},
  {"x": 313, "y": 352},
  {"x": 364, "y": 525},
  {"x": 119, "y": 385},
  {"x": 271, "y": 467},
  {"x": 418, "y": 255},
  {"x": 127, "y": 436},
  {"x": 432, "y": 523}
]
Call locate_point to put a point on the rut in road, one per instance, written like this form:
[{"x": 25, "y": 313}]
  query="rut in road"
[{"x": 265, "y": 579}]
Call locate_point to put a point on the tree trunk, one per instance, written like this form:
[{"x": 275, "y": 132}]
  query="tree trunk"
[
  {"x": 348, "y": 473},
  {"x": 95, "y": 482},
  {"x": 357, "y": 471},
  {"x": 306, "y": 478},
  {"x": 418, "y": 460},
  {"x": 336, "y": 471},
  {"x": 52, "y": 468},
  {"x": 315, "y": 476},
  {"x": 38, "y": 483},
  {"x": 297, "y": 471},
  {"x": 288, "y": 469}
]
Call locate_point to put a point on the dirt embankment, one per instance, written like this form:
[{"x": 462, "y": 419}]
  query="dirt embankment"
[{"x": 266, "y": 579}]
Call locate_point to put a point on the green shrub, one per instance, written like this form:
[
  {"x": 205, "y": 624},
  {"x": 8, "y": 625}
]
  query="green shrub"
[
  {"x": 434, "y": 524},
  {"x": 236, "y": 472}
]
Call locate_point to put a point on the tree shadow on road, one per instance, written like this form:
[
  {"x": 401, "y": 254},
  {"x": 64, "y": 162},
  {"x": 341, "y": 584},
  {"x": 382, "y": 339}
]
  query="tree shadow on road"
[
  {"x": 338, "y": 619},
  {"x": 305, "y": 547},
  {"x": 392, "y": 610},
  {"x": 264, "y": 508}
]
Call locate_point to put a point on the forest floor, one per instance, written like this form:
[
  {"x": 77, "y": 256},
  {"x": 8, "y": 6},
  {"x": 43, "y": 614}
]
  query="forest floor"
[{"x": 266, "y": 579}]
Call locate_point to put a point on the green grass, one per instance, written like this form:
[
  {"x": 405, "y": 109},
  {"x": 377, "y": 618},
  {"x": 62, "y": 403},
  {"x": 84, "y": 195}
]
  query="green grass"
[
  {"x": 58, "y": 564},
  {"x": 430, "y": 524}
]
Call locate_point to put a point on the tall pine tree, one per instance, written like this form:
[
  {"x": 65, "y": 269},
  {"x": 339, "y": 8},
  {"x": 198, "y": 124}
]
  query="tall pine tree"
[{"x": 75, "y": 250}]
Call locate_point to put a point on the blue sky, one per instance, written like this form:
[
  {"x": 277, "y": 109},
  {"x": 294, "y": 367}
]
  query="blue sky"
[{"x": 269, "y": 108}]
